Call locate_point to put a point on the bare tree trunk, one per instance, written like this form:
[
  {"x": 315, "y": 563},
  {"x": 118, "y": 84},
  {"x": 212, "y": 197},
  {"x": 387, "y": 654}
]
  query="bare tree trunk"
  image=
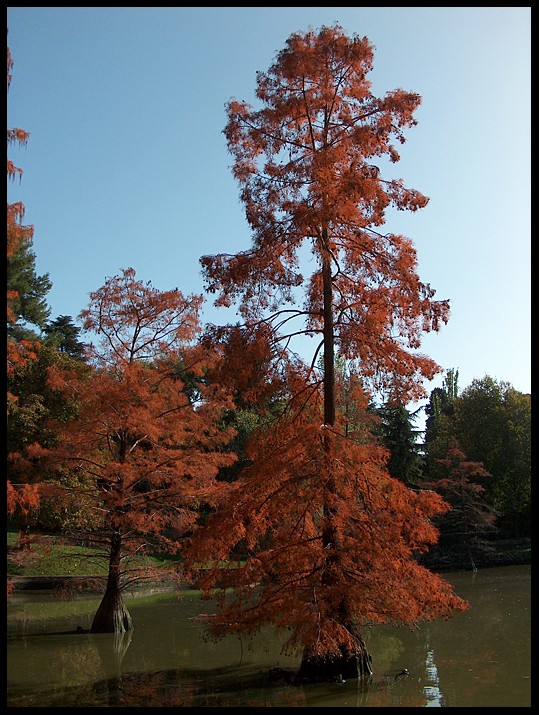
[
  {"x": 329, "y": 338},
  {"x": 112, "y": 616}
]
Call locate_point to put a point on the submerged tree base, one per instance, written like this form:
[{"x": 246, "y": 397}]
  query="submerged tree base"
[
  {"x": 345, "y": 666},
  {"x": 112, "y": 615}
]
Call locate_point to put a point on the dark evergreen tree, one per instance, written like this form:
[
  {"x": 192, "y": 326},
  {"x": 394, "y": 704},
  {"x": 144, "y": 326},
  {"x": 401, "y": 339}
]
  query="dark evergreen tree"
[
  {"x": 28, "y": 293},
  {"x": 438, "y": 411},
  {"x": 440, "y": 403},
  {"x": 63, "y": 334},
  {"x": 401, "y": 439}
]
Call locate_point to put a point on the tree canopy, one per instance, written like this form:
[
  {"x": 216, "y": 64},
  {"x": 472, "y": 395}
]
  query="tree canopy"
[
  {"x": 149, "y": 455},
  {"x": 491, "y": 422},
  {"x": 330, "y": 536}
]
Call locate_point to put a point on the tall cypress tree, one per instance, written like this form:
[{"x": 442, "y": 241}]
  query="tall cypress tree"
[{"x": 399, "y": 436}]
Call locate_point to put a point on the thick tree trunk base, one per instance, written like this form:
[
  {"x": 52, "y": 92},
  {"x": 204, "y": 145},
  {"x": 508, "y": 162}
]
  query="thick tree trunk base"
[
  {"x": 112, "y": 616},
  {"x": 346, "y": 666}
]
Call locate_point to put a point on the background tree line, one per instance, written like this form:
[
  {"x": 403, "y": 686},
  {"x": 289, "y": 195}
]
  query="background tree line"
[
  {"x": 490, "y": 420},
  {"x": 485, "y": 429}
]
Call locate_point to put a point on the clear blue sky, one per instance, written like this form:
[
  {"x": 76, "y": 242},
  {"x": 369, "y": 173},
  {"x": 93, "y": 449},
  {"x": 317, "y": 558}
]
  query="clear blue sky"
[{"x": 127, "y": 164}]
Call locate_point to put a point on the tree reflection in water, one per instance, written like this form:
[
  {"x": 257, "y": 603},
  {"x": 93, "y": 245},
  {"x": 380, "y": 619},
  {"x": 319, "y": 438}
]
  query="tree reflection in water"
[
  {"x": 432, "y": 690},
  {"x": 112, "y": 649}
]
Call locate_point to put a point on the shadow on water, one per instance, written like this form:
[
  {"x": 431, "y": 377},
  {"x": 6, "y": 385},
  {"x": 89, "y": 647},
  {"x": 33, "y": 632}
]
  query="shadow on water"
[
  {"x": 231, "y": 686},
  {"x": 87, "y": 657}
]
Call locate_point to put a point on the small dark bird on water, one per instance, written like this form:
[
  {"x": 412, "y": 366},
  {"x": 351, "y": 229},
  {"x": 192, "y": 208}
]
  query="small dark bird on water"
[{"x": 404, "y": 672}]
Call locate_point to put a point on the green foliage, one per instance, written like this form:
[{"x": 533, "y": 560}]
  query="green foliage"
[
  {"x": 492, "y": 423},
  {"x": 28, "y": 293},
  {"x": 440, "y": 405},
  {"x": 63, "y": 334},
  {"x": 36, "y": 401},
  {"x": 51, "y": 556},
  {"x": 245, "y": 422},
  {"x": 400, "y": 438},
  {"x": 65, "y": 506},
  {"x": 30, "y": 413}
]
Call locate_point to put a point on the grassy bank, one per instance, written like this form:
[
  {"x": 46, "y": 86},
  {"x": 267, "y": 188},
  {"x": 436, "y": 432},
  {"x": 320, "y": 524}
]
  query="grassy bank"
[{"x": 50, "y": 556}]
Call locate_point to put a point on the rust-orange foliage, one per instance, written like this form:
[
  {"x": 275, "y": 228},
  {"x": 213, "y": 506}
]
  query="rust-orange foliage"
[
  {"x": 331, "y": 540},
  {"x": 17, "y": 353},
  {"x": 309, "y": 165},
  {"x": 17, "y": 234},
  {"x": 149, "y": 454},
  {"x": 277, "y": 515},
  {"x": 252, "y": 366},
  {"x": 461, "y": 487},
  {"x": 23, "y": 498}
]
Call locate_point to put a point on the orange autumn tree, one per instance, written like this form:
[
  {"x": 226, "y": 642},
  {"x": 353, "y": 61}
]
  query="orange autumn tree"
[
  {"x": 330, "y": 538},
  {"x": 18, "y": 235},
  {"x": 470, "y": 520},
  {"x": 21, "y": 497},
  {"x": 147, "y": 438}
]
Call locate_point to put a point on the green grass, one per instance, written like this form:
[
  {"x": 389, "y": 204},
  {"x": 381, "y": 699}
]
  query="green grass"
[{"x": 48, "y": 557}]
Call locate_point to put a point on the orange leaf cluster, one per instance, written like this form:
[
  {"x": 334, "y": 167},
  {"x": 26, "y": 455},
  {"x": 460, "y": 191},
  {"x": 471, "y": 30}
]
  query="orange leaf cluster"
[
  {"x": 17, "y": 235},
  {"x": 330, "y": 538},
  {"x": 149, "y": 453},
  {"x": 321, "y": 523},
  {"x": 23, "y": 498},
  {"x": 309, "y": 168}
]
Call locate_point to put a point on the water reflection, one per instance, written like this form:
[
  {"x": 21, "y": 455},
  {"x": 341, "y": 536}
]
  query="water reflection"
[
  {"x": 478, "y": 658},
  {"x": 432, "y": 691}
]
